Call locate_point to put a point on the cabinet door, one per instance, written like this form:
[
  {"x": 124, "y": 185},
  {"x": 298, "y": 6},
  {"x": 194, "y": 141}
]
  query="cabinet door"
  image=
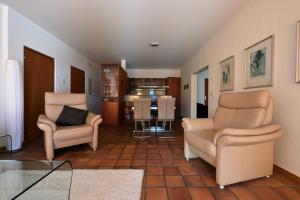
[
  {"x": 110, "y": 112},
  {"x": 110, "y": 82}
]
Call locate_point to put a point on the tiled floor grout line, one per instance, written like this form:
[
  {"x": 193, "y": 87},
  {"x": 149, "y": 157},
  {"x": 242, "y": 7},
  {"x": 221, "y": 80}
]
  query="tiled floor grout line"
[
  {"x": 233, "y": 194},
  {"x": 276, "y": 192},
  {"x": 213, "y": 195}
]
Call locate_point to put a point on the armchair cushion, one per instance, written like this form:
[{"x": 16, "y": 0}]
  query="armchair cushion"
[
  {"x": 72, "y": 117},
  {"x": 43, "y": 119},
  {"x": 241, "y": 141},
  {"x": 92, "y": 118},
  {"x": 65, "y": 133},
  {"x": 202, "y": 141},
  {"x": 205, "y": 124},
  {"x": 263, "y": 130}
]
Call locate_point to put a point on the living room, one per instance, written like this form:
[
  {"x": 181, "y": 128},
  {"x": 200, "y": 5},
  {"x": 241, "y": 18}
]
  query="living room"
[{"x": 149, "y": 99}]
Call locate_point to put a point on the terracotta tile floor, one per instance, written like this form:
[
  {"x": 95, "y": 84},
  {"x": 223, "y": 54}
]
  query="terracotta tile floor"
[{"x": 167, "y": 174}]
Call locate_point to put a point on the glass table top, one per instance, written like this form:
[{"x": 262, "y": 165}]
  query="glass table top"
[{"x": 35, "y": 179}]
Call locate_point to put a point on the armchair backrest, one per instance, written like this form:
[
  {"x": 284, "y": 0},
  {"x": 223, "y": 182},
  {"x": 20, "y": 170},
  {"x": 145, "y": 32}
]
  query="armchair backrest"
[
  {"x": 244, "y": 110},
  {"x": 54, "y": 103}
]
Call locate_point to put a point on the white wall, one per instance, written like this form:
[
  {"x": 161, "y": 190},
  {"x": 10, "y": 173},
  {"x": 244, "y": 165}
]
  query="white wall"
[
  {"x": 201, "y": 76},
  {"x": 153, "y": 73},
  {"x": 255, "y": 21},
  {"x": 23, "y": 32}
]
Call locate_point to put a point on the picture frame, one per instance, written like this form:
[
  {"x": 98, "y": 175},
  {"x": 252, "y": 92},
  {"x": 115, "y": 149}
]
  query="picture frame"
[
  {"x": 259, "y": 64},
  {"x": 226, "y": 74},
  {"x": 298, "y": 54}
]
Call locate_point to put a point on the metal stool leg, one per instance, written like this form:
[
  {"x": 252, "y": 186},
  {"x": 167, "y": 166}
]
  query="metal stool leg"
[
  {"x": 143, "y": 125},
  {"x": 141, "y": 135},
  {"x": 170, "y": 131}
]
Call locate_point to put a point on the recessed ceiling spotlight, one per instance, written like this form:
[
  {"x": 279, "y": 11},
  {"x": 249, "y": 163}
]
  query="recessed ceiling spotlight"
[{"x": 154, "y": 44}]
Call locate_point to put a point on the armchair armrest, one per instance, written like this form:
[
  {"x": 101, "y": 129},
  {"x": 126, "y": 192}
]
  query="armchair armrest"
[
  {"x": 92, "y": 119},
  {"x": 205, "y": 124},
  {"x": 260, "y": 131},
  {"x": 43, "y": 119}
]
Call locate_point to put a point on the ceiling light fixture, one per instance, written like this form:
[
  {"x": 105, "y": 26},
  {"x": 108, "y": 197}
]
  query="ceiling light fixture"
[{"x": 154, "y": 44}]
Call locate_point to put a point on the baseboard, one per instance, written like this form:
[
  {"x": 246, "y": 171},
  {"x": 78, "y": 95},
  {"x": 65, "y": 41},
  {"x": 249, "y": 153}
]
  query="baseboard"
[{"x": 287, "y": 173}]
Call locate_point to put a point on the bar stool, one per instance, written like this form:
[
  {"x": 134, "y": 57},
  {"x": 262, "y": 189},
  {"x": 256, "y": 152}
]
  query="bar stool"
[{"x": 142, "y": 113}]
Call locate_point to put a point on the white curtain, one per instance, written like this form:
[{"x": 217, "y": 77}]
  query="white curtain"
[
  {"x": 2, "y": 99},
  {"x": 14, "y": 102},
  {"x": 2, "y": 71}
]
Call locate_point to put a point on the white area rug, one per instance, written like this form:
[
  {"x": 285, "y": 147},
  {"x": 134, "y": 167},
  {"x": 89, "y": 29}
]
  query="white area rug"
[
  {"x": 112, "y": 184},
  {"x": 115, "y": 184}
]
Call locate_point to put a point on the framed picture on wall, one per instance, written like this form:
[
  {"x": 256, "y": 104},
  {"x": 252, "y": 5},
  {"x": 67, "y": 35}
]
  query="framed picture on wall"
[
  {"x": 259, "y": 61},
  {"x": 226, "y": 69},
  {"x": 298, "y": 53}
]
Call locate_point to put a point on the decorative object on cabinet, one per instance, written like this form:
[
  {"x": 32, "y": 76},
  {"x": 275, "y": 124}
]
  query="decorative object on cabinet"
[
  {"x": 114, "y": 85},
  {"x": 298, "y": 53},
  {"x": 227, "y": 74},
  {"x": 259, "y": 64}
]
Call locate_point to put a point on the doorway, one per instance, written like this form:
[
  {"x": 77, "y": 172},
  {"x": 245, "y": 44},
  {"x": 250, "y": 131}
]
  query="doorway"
[
  {"x": 38, "y": 79},
  {"x": 199, "y": 91},
  {"x": 77, "y": 80}
]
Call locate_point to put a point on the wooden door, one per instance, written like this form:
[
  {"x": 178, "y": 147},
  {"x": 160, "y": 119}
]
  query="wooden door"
[
  {"x": 38, "y": 79},
  {"x": 206, "y": 91},
  {"x": 77, "y": 80}
]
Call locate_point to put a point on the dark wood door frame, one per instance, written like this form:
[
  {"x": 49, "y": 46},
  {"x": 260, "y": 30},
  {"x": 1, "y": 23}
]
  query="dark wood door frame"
[
  {"x": 206, "y": 91},
  {"x": 77, "y": 80},
  {"x": 38, "y": 78}
]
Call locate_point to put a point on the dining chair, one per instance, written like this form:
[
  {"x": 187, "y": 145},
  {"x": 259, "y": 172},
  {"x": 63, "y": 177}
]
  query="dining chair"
[
  {"x": 142, "y": 113},
  {"x": 166, "y": 114}
]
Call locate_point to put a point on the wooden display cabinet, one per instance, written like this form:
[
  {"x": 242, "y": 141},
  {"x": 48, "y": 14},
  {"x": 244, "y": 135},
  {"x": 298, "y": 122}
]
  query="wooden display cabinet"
[
  {"x": 174, "y": 90},
  {"x": 114, "y": 85}
]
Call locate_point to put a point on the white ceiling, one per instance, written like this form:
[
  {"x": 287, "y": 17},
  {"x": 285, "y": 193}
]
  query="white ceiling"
[{"x": 110, "y": 30}]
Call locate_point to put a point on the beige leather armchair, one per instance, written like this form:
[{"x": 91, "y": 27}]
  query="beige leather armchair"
[
  {"x": 238, "y": 140},
  {"x": 56, "y": 137}
]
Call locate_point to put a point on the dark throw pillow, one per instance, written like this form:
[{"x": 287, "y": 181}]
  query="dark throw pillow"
[{"x": 71, "y": 116}]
